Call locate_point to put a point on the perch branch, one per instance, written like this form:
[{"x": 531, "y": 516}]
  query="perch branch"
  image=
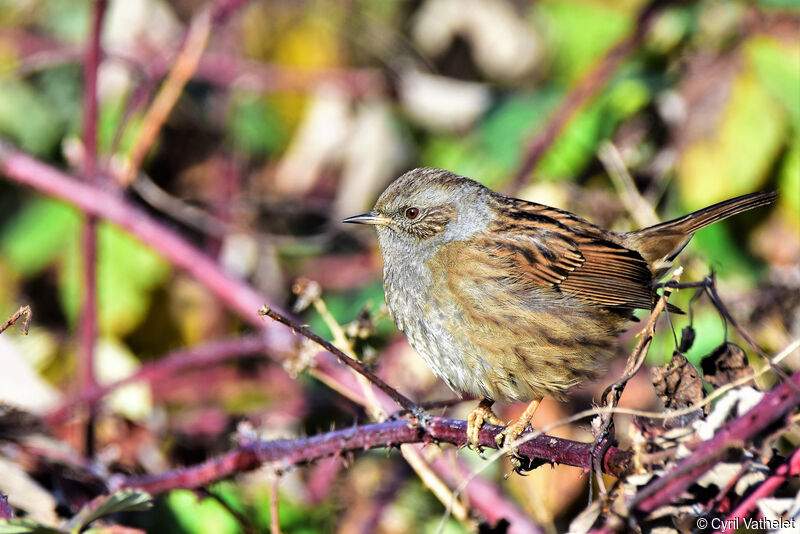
[
  {"x": 87, "y": 325},
  {"x": 283, "y": 454},
  {"x": 232, "y": 292}
]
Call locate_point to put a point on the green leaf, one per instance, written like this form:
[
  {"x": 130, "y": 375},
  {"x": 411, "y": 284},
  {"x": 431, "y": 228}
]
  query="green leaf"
[
  {"x": 576, "y": 146},
  {"x": 127, "y": 272},
  {"x": 720, "y": 251},
  {"x": 777, "y": 67},
  {"x": 739, "y": 158},
  {"x": 60, "y": 87},
  {"x": 25, "y": 526},
  {"x": 466, "y": 157},
  {"x": 40, "y": 232},
  {"x": 579, "y": 33},
  {"x": 122, "y": 501},
  {"x": 66, "y": 19},
  {"x": 789, "y": 180},
  {"x": 112, "y": 112},
  {"x": 47, "y": 233},
  {"x": 198, "y": 516},
  {"x": 254, "y": 127},
  {"x": 27, "y": 118},
  {"x": 507, "y": 130}
]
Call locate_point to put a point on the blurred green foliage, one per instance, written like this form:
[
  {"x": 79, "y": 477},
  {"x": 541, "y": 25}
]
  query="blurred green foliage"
[
  {"x": 751, "y": 141},
  {"x": 127, "y": 271}
]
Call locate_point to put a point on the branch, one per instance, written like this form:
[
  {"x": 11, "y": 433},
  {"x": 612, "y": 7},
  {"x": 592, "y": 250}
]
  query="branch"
[
  {"x": 23, "y": 310},
  {"x": 283, "y": 454},
  {"x": 774, "y": 409},
  {"x": 179, "y": 75},
  {"x": 354, "y": 364},
  {"x": 585, "y": 89},
  {"x": 216, "y": 68},
  {"x": 171, "y": 364},
  {"x": 232, "y": 292},
  {"x": 790, "y": 468},
  {"x": 87, "y": 324}
]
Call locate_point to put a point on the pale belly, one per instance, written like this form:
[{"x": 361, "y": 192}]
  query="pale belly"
[{"x": 510, "y": 359}]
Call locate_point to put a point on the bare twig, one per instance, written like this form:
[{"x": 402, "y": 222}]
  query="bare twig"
[
  {"x": 789, "y": 468},
  {"x": 612, "y": 393},
  {"x": 636, "y": 359},
  {"x": 774, "y": 409},
  {"x": 641, "y": 210},
  {"x": 87, "y": 326},
  {"x": 23, "y": 310},
  {"x": 274, "y": 521},
  {"x": 585, "y": 89},
  {"x": 359, "y": 367},
  {"x": 310, "y": 290},
  {"x": 181, "y": 72}
]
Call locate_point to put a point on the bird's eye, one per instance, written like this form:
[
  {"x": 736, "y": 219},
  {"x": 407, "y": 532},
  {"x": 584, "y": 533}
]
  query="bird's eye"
[{"x": 412, "y": 213}]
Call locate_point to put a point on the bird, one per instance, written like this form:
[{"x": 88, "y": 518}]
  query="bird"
[{"x": 510, "y": 300}]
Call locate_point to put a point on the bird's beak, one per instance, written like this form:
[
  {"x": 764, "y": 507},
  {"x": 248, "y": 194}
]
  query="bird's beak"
[{"x": 372, "y": 217}]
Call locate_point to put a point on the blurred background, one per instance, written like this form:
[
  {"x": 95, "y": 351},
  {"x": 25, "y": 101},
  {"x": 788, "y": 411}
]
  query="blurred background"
[{"x": 299, "y": 114}]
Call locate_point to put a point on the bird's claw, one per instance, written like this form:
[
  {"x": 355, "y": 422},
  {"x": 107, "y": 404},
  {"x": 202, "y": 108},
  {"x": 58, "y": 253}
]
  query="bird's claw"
[
  {"x": 475, "y": 421},
  {"x": 519, "y": 463}
]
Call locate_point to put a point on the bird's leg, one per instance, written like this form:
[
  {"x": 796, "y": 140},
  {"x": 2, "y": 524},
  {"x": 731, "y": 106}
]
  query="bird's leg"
[
  {"x": 481, "y": 414},
  {"x": 515, "y": 428}
]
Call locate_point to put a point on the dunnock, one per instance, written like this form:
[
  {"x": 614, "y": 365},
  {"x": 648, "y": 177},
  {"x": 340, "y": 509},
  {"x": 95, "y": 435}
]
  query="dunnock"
[{"x": 507, "y": 299}]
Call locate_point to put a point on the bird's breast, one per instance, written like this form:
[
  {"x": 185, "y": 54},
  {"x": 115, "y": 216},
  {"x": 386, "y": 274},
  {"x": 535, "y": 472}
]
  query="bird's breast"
[{"x": 415, "y": 303}]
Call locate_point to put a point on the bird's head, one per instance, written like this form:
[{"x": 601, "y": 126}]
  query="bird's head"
[{"x": 425, "y": 207}]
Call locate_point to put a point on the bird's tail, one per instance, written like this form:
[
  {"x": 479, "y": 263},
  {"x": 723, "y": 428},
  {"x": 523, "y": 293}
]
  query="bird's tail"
[
  {"x": 663, "y": 242},
  {"x": 689, "y": 224}
]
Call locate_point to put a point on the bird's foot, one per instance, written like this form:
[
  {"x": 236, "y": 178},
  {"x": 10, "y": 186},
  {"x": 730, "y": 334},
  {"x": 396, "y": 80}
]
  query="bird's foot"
[
  {"x": 509, "y": 435},
  {"x": 514, "y": 430},
  {"x": 481, "y": 414}
]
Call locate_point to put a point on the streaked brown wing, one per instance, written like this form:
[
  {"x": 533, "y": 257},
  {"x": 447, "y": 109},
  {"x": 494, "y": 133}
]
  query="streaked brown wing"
[{"x": 547, "y": 246}]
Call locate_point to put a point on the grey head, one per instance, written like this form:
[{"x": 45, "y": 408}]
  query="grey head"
[{"x": 425, "y": 208}]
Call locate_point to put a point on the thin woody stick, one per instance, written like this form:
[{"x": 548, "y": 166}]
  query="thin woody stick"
[
  {"x": 182, "y": 71},
  {"x": 23, "y": 310},
  {"x": 639, "y": 353},
  {"x": 641, "y": 210},
  {"x": 309, "y": 291},
  {"x": 420, "y": 414},
  {"x": 305, "y": 288},
  {"x": 613, "y": 392}
]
